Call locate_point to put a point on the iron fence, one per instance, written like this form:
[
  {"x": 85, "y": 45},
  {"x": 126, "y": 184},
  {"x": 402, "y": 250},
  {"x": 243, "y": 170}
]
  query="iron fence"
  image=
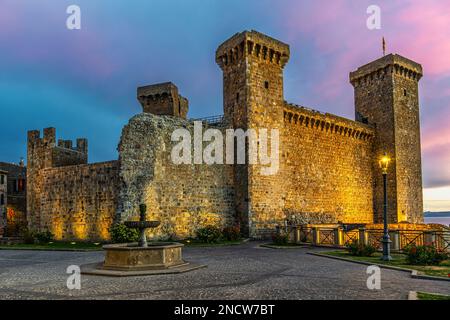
[{"x": 341, "y": 237}]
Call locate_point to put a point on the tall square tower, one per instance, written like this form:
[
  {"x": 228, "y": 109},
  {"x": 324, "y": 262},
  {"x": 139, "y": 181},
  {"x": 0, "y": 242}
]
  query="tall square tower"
[{"x": 387, "y": 97}]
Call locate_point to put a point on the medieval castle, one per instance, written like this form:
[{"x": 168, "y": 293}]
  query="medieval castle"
[{"x": 328, "y": 171}]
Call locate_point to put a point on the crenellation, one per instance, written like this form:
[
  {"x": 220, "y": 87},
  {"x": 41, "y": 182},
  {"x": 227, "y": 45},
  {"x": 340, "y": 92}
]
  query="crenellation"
[
  {"x": 378, "y": 69},
  {"x": 326, "y": 122},
  {"x": 82, "y": 145},
  {"x": 163, "y": 99},
  {"x": 252, "y": 44},
  {"x": 49, "y": 136}
]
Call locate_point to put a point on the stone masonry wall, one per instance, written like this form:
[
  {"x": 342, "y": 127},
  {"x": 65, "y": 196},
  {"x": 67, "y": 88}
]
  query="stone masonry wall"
[
  {"x": 387, "y": 97},
  {"x": 325, "y": 173},
  {"x": 327, "y": 167},
  {"x": 78, "y": 202},
  {"x": 183, "y": 197}
]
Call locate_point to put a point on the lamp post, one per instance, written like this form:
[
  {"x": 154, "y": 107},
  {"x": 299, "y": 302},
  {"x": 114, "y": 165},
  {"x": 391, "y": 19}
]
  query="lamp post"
[{"x": 384, "y": 164}]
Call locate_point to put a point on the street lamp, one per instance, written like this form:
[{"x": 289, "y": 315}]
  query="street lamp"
[{"x": 384, "y": 164}]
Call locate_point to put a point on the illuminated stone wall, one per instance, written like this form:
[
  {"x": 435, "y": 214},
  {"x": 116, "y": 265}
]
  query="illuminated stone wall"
[
  {"x": 78, "y": 202},
  {"x": 183, "y": 197},
  {"x": 65, "y": 195},
  {"x": 325, "y": 173},
  {"x": 326, "y": 166}
]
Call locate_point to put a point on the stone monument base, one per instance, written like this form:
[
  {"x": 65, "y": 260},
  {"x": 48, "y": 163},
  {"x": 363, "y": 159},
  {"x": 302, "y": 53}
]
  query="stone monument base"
[{"x": 129, "y": 259}]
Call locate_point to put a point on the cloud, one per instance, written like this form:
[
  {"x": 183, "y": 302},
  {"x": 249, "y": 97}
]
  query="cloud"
[{"x": 417, "y": 30}]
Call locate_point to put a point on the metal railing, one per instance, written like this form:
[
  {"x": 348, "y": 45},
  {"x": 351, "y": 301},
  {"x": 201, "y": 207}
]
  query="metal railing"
[
  {"x": 339, "y": 236},
  {"x": 212, "y": 120}
]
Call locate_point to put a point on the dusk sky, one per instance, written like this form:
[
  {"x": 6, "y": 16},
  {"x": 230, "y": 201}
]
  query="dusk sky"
[{"x": 83, "y": 82}]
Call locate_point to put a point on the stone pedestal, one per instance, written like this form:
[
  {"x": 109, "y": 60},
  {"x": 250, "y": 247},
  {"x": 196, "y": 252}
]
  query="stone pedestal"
[
  {"x": 131, "y": 257},
  {"x": 128, "y": 259}
]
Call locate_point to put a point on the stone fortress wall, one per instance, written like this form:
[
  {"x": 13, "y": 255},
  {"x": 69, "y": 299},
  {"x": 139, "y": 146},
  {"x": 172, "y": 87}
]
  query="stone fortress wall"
[
  {"x": 67, "y": 196},
  {"x": 183, "y": 197},
  {"x": 328, "y": 164}
]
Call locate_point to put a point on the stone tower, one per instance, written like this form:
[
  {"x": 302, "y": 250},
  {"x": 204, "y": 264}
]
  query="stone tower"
[
  {"x": 163, "y": 99},
  {"x": 252, "y": 65},
  {"x": 387, "y": 97},
  {"x": 43, "y": 153}
]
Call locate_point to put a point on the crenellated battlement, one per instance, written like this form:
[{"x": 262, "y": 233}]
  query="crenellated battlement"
[
  {"x": 326, "y": 122},
  {"x": 81, "y": 145},
  {"x": 379, "y": 69},
  {"x": 252, "y": 44},
  {"x": 45, "y": 152},
  {"x": 163, "y": 99}
]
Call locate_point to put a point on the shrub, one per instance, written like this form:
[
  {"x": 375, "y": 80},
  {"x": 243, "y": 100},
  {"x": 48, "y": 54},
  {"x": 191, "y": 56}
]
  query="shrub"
[
  {"x": 44, "y": 237},
  {"x": 424, "y": 255},
  {"x": 120, "y": 233},
  {"x": 232, "y": 233},
  {"x": 361, "y": 250},
  {"x": 280, "y": 238},
  {"x": 209, "y": 234},
  {"x": 27, "y": 235}
]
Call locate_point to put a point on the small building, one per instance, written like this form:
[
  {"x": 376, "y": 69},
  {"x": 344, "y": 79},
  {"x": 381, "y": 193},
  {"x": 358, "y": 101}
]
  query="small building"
[
  {"x": 14, "y": 194},
  {"x": 3, "y": 199}
]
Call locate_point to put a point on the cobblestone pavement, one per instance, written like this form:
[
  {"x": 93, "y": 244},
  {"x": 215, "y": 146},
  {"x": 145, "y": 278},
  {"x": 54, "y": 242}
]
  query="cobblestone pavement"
[{"x": 235, "y": 272}]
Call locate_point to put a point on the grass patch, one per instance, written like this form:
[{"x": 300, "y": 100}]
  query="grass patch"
[
  {"x": 399, "y": 260},
  {"x": 197, "y": 243},
  {"x": 56, "y": 245},
  {"x": 431, "y": 296}
]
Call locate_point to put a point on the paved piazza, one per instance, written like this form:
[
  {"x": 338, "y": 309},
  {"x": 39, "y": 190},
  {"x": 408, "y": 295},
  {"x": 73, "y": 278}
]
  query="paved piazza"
[{"x": 234, "y": 272}]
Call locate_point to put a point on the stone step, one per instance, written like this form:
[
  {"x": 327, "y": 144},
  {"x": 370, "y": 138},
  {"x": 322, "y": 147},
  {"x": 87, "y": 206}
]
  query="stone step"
[{"x": 10, "y": 240}]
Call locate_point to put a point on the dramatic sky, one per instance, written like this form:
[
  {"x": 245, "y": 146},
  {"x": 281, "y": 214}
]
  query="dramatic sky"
[{"x": 83, "y": 82}]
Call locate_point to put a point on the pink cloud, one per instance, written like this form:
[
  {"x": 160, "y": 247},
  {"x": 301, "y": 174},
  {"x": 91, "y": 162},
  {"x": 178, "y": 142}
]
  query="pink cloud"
[
  {"x": 425, "y": 34},
  {"x": 417, "y": 30}
]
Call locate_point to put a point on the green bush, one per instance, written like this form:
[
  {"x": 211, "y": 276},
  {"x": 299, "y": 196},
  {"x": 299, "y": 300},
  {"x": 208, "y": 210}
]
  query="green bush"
[
  {"x": 27, "y": 235},
  {"x": 232, "y": 233},
  {"x": 360, "y": 250},
  {"x": 424, "y": 255},
  {"x": 120, "y": 233},
  {"x": 209, "y": 234},
  {"x": 44, "y": 237},
  {"x": 280, "y": 238}
]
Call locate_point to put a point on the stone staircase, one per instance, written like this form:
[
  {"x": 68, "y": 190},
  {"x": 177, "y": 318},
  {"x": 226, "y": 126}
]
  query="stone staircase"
[{"x": 10, "y": 240}]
